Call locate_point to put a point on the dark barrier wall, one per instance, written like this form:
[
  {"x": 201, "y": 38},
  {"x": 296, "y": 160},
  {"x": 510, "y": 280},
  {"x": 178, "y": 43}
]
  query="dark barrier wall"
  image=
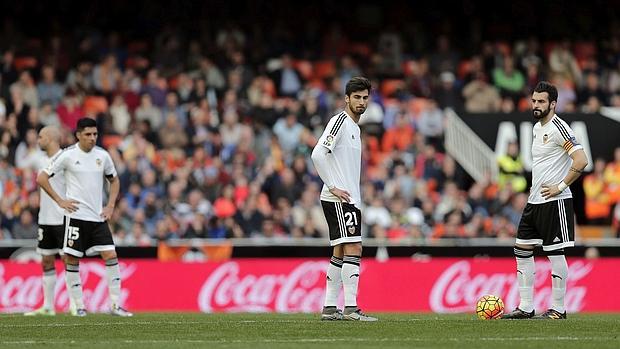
[
  {"x": 603, "y": 133},
  {"x": 325, "y": 251},
  {"x": 598, "y": 134}
]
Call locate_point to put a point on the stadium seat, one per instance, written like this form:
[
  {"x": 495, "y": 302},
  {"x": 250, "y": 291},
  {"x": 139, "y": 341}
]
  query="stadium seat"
[
  {"x": 26, "y": 62},
  {"x": 361, "y": 49},
  {"x": 463, "y": 69},
  {"x": 305, "y": 68},
  {"x": 390, "y": 86},
  {"x": 324, "y": 69},
  {"x": 95, "y": 104},
  {"x": 111, "y": 141}
]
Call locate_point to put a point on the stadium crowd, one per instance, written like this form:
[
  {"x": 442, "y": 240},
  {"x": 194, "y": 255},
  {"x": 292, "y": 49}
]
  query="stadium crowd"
[{"x": 211, "y": 138}]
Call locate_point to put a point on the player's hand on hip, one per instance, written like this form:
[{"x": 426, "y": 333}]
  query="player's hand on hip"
[
  {"x": 69, "y": 205},
  {"x": 343, "y": 195},
  {"x": 107, "y": 212},
  {"x": 549, "y": 191}
]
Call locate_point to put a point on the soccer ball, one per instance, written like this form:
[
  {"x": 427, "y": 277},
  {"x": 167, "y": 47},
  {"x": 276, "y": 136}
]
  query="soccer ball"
[{"x": 489, "y": 307}]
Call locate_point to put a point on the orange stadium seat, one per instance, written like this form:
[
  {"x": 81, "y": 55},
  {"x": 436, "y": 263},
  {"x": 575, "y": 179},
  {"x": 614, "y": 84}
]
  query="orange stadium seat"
[
  {"x": 324, "y": 69},
  {"x": 390, "y": 86},
  {"x": 463, "y": 68},
  {"x": 111, "y": 141},
  {"x": 27, "y": 62},
  {"x": 360, "y": 48},
  {"x": 95, "y": 105},
  {"x": 305, "y": 68}
]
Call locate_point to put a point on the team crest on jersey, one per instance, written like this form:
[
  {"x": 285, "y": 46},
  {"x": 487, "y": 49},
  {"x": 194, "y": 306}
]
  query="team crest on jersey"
[
  {"x": 351, "y": 230},
  {"x": 329, "y": 140},
  {"x": 98, "y": 161},
  {"x": 70, "y": 243},
  {"x": 545, "y": 138}
]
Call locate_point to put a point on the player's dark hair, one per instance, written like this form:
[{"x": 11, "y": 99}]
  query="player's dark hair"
[
  {"x": 356, "y": 84},
  {"x": 545, "y": 86},
  {"x": 84, "y": 123}
]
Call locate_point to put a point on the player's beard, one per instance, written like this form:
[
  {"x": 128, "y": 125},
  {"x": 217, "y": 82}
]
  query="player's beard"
[
  {"x": 543, "y": 113},
  {"x": 358, "y": 111}
]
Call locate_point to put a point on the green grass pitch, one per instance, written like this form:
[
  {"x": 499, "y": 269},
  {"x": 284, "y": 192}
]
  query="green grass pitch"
[{"x": 255, "y": 331}]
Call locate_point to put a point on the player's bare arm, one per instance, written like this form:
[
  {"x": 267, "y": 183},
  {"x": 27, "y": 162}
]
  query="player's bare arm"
[
  {"x": 115, "y": 187},
  {"x": 580, "y": 161},
  {"x": 43, "y": 179}
]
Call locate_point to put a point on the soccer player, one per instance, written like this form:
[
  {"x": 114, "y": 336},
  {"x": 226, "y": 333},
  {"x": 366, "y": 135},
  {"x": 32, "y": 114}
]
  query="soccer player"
[
  {"x": 52, "y": 229},
  {"x": 337, "y": 158},
  {"x": 548, "y": 217},
  {"x": 86, "y": 228}
]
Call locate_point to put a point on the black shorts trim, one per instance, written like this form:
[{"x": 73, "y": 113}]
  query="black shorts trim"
[
  {"x": 551, "y": 224},
  {"x": 344, "y": 221}
]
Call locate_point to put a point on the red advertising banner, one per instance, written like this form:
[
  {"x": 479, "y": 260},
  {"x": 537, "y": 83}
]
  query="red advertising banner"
[{"x": 442, "y": 285}]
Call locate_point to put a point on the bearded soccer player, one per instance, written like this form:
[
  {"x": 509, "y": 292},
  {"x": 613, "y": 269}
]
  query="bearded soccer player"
[
  {"x": 337, "y": 158},
  {"x": 548, "y": 217},
  {"x": 86, "y": 229},
  {"x": 52, "y": 231}
]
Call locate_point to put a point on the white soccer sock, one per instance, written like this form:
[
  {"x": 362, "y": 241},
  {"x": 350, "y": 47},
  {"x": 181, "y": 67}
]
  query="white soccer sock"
[
  {"x": 114, "y": 279},
  {"x": 526, "y": 269},
  {"x": 49, "y": 285},
  {"x": 559, "y": 274},
  {"x": 74, "y": 285},
  {"x": 350, "y": 279},
  {"x": 333, "y": 283}
]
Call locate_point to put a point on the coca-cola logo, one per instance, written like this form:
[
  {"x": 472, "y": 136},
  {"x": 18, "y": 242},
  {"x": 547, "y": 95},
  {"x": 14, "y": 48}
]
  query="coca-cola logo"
[
  {"x": 19, "y": 294},
  {"x": 300, "y": 290},
  {"x": 457, "y": 289}
]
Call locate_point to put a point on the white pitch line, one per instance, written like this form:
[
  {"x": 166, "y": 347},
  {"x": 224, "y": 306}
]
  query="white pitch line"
[
  {"x": 314, "y": 340},
  {"x": 206, "y": 322}
]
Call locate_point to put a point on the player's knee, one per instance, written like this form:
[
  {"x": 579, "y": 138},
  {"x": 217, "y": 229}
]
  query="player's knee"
[
  {"x": 47, "y": 262},
  {"x": 106, "y": 255},
  {"x": 354, "y": 249},
  {"x": 69, "y": 259}
]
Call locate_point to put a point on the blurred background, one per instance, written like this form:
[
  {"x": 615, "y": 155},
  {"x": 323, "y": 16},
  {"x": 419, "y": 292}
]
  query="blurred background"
[{"x": 211, "y": 109}]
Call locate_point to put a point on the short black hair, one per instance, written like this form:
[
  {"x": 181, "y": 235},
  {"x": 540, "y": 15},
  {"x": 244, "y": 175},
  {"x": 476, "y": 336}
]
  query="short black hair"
[
  {"x": 84, "y": 123},
  {"x": 358, "y": 83},
  {"x": 545, "y": 86}
]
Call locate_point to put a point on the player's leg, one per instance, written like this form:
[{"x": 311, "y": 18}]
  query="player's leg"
[
  {"x": 561, "y": 234},
  {"x": 73, "y": 248},
  {"x": 527, "y": 238},
  {"x": 49, "y": 281},
  {"x": 103, "y": 243},
  {"x": 333, "y": 284},
  {"x": 350, "y": 282},
  {"x": 48, "y": 246},
  {"x": 74, "y": 285},
  {"x": 333, "y": 281},
  {"x": 49, "y": 284}
]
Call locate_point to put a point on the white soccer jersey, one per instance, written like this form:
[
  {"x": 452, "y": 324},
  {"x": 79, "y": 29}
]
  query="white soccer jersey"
[
  {"x": 49, "y": 211},
  {"x": 342, "y": 138},
  {"x": 552, "y": 145},
  {"x": 84, "y": 175}
]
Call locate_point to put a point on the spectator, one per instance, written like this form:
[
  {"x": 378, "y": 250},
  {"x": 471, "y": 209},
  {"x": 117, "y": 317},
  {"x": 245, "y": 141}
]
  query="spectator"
[
  {"x": 106, "y": 75},
  {"x": 288, "y": 80},
  {"x": 26, "y": 227},
  {"x": 511, "y": 171},
  {"x": 612, "y": 176},
  {"x": 480, "y": 97},
  {"x": 48, "y": 88},
  {"x": 598, "y": 201},
  {"x": 509, "y": 80}
]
